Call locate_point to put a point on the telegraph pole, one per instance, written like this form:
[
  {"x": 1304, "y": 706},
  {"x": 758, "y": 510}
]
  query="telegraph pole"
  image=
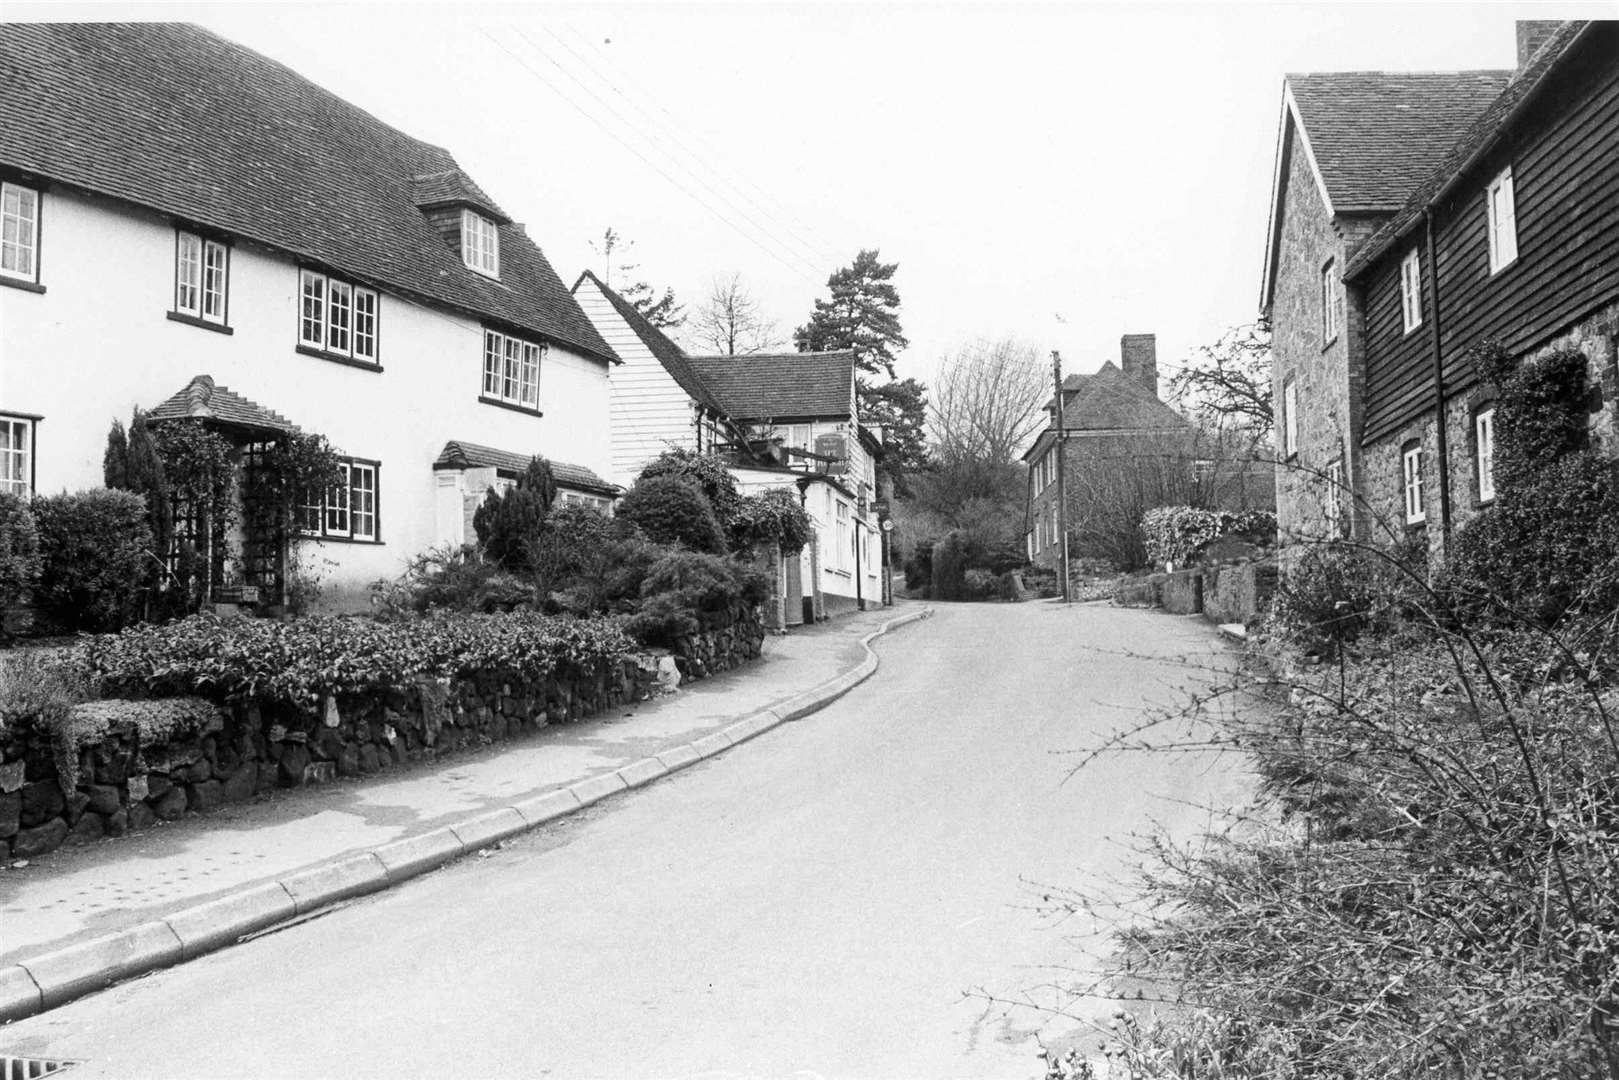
[{"x": 1062, "y": 487}]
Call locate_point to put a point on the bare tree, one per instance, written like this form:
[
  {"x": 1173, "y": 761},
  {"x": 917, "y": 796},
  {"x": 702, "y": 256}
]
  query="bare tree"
[
  {"x": 661, "y": 311},
  {"x": 987, "y": 401},
  {"x": 731, "y": 323},
  {"x": 1227, "y": 384}
]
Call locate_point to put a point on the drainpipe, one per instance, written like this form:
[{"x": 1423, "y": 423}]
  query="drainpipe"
[
  {"x": 859, "y": 600},
  {"x": 1439, "y": 388}
]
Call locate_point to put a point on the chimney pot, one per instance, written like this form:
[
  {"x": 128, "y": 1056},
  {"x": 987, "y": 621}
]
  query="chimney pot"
[
  {"x": 1532, "y": 34},
  {"x": 1138, "y": 357}
]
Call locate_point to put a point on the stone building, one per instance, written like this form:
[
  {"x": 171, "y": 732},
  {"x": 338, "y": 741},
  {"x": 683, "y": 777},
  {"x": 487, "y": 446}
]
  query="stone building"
[{"x": 1416, "y": 216}]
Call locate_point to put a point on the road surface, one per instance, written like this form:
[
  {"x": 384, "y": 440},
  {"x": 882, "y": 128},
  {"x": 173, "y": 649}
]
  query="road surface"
[{"x": 818, "y": 902}]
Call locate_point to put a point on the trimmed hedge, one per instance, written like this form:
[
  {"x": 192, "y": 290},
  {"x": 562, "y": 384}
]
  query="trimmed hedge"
[
  {"x": 298, "y": 662},
  {"x": 20, "y": 560},
  {"x": 96, "y": 547},
  {"x": 1175, "y": 534}
]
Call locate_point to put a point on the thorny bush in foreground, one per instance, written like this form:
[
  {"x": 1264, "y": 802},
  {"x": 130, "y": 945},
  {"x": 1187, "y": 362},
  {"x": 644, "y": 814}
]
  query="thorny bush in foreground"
[{"x": 1428, "y": 885}]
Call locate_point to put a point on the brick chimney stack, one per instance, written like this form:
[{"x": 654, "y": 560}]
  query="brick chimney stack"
[
  {"x": 1138, "y": 356},
  {"x": 1532, "y": 33}
]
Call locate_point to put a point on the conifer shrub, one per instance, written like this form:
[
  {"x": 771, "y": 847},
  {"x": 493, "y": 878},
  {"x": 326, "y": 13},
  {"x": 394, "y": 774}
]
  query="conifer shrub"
[
  {"x": 95, "y": 547},
  {"x": 508, "y": 522}
]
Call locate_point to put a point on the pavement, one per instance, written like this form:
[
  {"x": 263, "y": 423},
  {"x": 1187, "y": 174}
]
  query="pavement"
[{"x": 80, "y": 919}]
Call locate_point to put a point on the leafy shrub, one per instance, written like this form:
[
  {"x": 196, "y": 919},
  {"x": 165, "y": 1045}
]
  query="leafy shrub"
[
  {"x": 453, "y": 579},
  {"x": 20, "y": 561},
  {"x": 1550, "y": 543},
  {"x": 1336, "y": 592},
  {"x": 672, "y": 509},
  {"x": 682, "y": 588},
  {"x": 776, "y": 516},
  {"x": 707, "y": 472},
  {"x": 1175, "y": 534},
  {"x": 96, "y": 547},
  {"x": 38, "y": 684},
  {"x": 919, "y": 566},
  {"x": 297, "y": 662},
  {"x": 982, "y": 585}
]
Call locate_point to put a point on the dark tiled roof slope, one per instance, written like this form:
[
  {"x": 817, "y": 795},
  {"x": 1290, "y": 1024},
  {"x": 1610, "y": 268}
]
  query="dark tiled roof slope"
[
  {"x": 178, "y": 119},
  {"x": 767, "y": 386},
  {"x": 202, "y": 400},
  {"x": 1472, "y": 138},
  {"x": 1376, "y": 134},
  {"x": 670, "y": 355},
  {"x": 1111, "y": 401},
  {"x": 464, "y": 455}
]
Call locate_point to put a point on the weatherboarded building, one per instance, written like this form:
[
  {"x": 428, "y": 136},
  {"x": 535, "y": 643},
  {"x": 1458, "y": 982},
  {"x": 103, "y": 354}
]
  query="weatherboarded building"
[{"x": 192, "y": 228}]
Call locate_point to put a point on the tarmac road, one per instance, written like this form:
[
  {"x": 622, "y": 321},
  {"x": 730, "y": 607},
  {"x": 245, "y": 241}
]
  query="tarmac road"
[{"x": 813, "y": 903}]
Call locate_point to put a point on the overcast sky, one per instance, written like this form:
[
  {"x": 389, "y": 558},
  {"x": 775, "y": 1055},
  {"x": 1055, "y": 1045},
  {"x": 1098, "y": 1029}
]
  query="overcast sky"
[{"x": 1105, "y": 163}]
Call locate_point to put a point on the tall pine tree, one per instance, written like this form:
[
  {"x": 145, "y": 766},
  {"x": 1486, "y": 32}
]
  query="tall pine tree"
[{"x": 862, "y": 314}]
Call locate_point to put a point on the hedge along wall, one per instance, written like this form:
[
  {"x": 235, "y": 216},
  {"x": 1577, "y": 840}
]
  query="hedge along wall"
[{"x": 113, "y": 766}]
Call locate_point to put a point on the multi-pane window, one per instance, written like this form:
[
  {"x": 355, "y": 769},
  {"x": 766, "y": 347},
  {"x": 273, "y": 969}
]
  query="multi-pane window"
[
  {"x": 511, "y": 369},
  {"x": 1484, "y": 437},
  {"x": 1411, "y": 463},
  {"x": 1329, "y": 303},
  {"x": 348, "y": 510},
  {"x": 19, "y": 232},
  {"x": 337, "y": 317},
  {"x": 16, "y": 455},
  {"x": 1411, "y": 290},
  {"x": 1290, "y": 418},
  {"x": 480, "y": 243},
  {"x": 201, "y": 277},
  {"x": 1503, "y": 220}
]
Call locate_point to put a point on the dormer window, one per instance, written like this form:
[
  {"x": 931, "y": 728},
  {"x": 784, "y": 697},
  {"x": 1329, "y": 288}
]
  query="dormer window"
[{"x": 480, "y": 243}]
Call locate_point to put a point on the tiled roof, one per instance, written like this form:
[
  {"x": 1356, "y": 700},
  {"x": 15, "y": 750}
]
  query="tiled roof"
[
  {"x": 1472, "y": 139},
  {"x": 670, "y": 355},
  {"x": 1112, "y": 401},
  {"x": 1376, "y": 135},
  {"x": 202, "y": 400},
  {"x": 177, "y": 119},
  {"x": 767, "y": 386},
  {"x": 453, "y": 187},
  {"x": 464, "y": 455}
]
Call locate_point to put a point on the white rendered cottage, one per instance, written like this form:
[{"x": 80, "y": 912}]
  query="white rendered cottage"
[{"x": 194, "y": 229}]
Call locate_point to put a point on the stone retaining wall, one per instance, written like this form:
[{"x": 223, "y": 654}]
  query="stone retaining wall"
[{"x": 53, "y": 794}]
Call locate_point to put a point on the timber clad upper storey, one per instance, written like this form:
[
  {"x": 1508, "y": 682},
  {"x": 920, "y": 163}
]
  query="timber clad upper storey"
[{"x": 189, "y": 206}]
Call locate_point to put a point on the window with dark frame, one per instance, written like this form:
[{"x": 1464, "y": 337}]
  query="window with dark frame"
[
  {"x": 337, "y": 319},
  {"x": 16, "y": 454},
  {"x": 19, "y": 233},
  {"x": 348, "y": 510},
  {"x": 511, "y": 370},
  {"x": 201, "y": 278}
]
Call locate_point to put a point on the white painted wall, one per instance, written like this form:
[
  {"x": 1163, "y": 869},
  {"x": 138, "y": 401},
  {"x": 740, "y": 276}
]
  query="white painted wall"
[
  {"x": 650, "y": 413},
  {"x": 97, "y": 343}
]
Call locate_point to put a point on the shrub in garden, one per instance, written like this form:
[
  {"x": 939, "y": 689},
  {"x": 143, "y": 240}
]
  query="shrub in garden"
[
  {"x": 776, "y": 516},
  {"x": 673, "y": 510},
  {"x": 1336, "y": 592},
  {"x": 509, "y": 521},
  {"x": 20, "y": 561},
  {"x": 682, "y": 587},
  {"x": 96, "y": 547},
  {"x": 707, "y": 472},
  {"x": 453, "y": 579},
  {"x": 1175, "y": 534}
]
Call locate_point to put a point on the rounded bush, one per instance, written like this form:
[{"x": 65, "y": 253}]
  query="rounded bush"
[
  {"x": 673, "y": 510},
  {"x": 707, "y": 472}
]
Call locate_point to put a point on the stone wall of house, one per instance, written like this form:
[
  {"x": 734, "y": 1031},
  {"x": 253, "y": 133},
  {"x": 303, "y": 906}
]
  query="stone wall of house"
[
  {"x": 1383, "y": 485},
  {"x": 120, "y": 783}
]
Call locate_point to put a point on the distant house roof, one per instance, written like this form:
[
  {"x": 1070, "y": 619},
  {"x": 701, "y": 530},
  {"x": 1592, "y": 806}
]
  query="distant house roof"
[
  {"x": 777, "y": 386},
  {"x": 177, "y": 119},
  {"x": 1473, "y": 139},
  {"x": 202, "y": 400},
  {"x": 1108, "y": 401},
  {"x": 458, "y": 454},
  {"x": 1370, "y": 137}
]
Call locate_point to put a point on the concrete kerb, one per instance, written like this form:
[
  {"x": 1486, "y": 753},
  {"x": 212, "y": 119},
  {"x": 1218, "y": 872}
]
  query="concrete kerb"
[{"x": 55, "y": 978}]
